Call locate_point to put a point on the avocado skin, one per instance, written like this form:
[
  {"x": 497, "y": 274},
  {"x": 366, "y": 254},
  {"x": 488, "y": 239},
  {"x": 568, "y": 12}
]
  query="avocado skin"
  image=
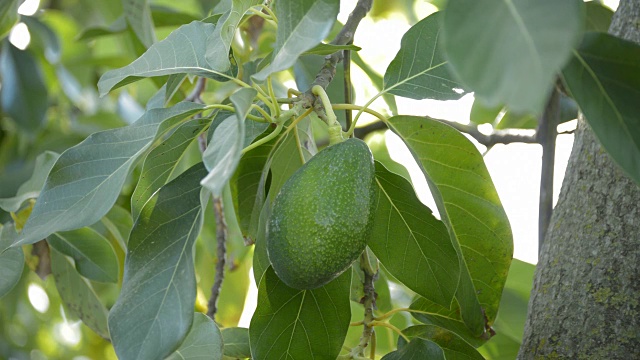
[{"x": 322, "y": 216}]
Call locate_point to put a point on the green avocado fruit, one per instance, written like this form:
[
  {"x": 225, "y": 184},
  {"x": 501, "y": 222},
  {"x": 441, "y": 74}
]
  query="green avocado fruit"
[{"x": 322, "y": 216}]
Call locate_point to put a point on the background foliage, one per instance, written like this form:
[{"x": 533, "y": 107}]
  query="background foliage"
[{"x": 113, "y": 172}]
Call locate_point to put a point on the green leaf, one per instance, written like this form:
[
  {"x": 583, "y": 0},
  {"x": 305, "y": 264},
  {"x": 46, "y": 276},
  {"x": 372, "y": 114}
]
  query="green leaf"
[
  {"x": 31, "y": 188},
  {"x": 90, "y": 175},
  {"x": 163, "y": 162},
  {"x": 138, "y": 16},
  {"x": 155, "y": 309},
  {"x": 249, "y": 183},
  {"x": 302, "y": 24},
  {"x": 182, "y": 52},
  {"x": 236, "y": 342},
  {"x": 328, "y": 49},
  {"x": 490, "y": 43},
  {"x": 11, "y": 260},
  {"x": 300, "y": 324},
  {"x": 410, "y": 242},
  {"x": 78, "y": 295},
  {"x": 447, "y": 318},
  {"x": 598, "y": 16},
  {"x": 223, "y": 154},
  {"x": 417, "y": 349},
  {"x": 173, "y": 85},
  {"x": 220, "y": 39},
  {"x": 93, "y": 255},
  {"x": 261, "y": 261},
  {"x": 8, "y": 16},
  {"x": 452, "y": 346},
  {"x": 23, "y": 96},
  {"x": 420, "y": 70},
  {"x": 470, "y": 208},
  {"x": 604, "y": 79},
  {"x": 203, "y": 341}
]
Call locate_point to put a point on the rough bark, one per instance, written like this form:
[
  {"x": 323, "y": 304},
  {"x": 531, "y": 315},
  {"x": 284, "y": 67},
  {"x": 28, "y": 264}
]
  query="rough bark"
[{"x": 585, "y": 302}]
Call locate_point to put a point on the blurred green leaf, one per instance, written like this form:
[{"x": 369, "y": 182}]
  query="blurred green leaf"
[
  {"x": 11, "y": 260},
  {"x": 93, "y": 255},
  {"x": 481, "y": 114},
  {"x": 302, "y": 24},
  {"x": 91, "y": 174},
  {"x": 420, "y": 70},
  {"x": 138, "y": 16},
  {"x": 598, "y": 16},
  {"x": 44, "y": 37},
  {"x": 118, "y": 26},
  {"x": 513, "y": 120},
  {"x": 24, "y": 94},
  {"x": 223, "y": 154},
  {"x": 159, "y": 272},
  {"x": 163, "y": 162},
  {"x": 182, "y": 52},
  {"x": 410, "y": 242},
  {"x": 31, "y": 188},
  {"x": 470, "y": 208},
  {"x": 491, "y": 43},
  {"x": 203, "y": 341},
  {"x": 604, "y": 79},
  {"x": 509, "y": 324},
  {"x": 167, "y": 16},
  {"x": 300, "y": 324},
  {"x": 8, "y": 16},
  {"x": 236, "y": 342},
  {"x": 78, "y": 295}
]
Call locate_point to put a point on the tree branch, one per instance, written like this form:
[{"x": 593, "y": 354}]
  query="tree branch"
[
  {"x": 496, "y": 137},
  {"x": 546, "y": 135},
  {"x": 221, "y": 237},
  {"x": 328, "y": 70}
]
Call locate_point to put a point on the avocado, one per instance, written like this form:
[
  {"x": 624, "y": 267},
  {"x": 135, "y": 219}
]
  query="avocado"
[{"x": 322, "y": 216}]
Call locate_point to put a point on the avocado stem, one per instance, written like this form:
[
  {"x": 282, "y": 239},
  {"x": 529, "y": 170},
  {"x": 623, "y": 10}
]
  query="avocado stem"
[{"x": 332, "y": 120}]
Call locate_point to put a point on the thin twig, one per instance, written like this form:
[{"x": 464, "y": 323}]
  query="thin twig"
[
  {"x": 221, "y": 237},
  {"x": 346, "y": 64},
  {"x": 328, "y": 70},
  {"x": 546, "y": 135},
  {"x": 194, "y": 96},
  {"x": 369, "y": 302}
]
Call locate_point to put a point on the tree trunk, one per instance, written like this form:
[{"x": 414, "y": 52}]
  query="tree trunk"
[{"x": 585, "y": 302}]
